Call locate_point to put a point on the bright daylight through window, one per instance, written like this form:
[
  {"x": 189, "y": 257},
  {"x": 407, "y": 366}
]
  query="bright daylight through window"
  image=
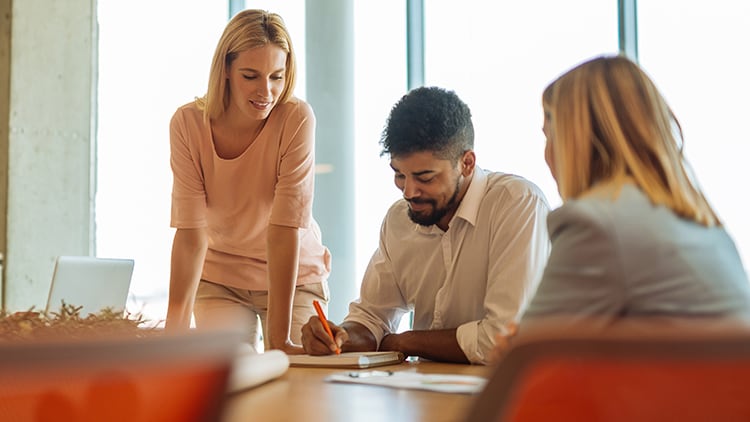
[{"x": 497, "y": 56}]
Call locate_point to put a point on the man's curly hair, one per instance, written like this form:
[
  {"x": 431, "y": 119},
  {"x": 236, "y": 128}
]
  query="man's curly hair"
[{"x": 429, "y": 119}]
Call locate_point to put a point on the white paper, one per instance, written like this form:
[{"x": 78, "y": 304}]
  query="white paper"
[
  {"x": 444, "y": 383},
  {"x": 252, "y": 369}
]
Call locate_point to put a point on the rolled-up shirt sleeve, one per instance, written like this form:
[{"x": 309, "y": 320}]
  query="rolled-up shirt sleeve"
[{"x": 519, "y": 247}]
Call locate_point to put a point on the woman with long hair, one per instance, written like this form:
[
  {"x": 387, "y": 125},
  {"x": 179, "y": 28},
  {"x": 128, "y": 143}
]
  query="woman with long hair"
[
  {"x": 246, "y": 248},
  {"x": 635, "y": 235}
]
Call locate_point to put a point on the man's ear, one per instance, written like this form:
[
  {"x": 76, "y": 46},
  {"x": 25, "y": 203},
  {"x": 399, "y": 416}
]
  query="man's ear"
[{"x": 468, "y": 161}]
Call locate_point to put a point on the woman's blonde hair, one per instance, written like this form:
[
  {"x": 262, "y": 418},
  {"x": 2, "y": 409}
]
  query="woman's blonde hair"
[
  {"x": 247, "y": 29},
  {"x": 611, "y": 124}
]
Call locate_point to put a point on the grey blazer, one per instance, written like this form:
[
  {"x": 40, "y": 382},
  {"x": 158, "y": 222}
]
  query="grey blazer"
[{"x": 625, "y": 257}]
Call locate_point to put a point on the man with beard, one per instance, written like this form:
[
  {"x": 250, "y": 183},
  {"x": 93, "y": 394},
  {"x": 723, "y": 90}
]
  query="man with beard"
[{"x": 464, "y": 249}]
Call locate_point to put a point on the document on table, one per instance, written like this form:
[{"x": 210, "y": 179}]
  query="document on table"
[
  {"x": 252, "y": 369},
  {"x": 444, "y": 383}
]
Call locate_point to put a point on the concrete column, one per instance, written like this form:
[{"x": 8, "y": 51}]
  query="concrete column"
[
  {"x": 5, "y": 21},
  {"x": 330, "y": 91},
  {"x": 51, "y": 143}
]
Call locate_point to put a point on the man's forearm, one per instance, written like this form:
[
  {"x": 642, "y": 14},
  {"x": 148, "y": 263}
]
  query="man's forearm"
[
  {"x": 437, "y": 345},
  {"x": 360, "y": 338}
]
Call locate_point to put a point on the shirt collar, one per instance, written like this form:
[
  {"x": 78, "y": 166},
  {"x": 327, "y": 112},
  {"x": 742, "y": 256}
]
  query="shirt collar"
[{"x": 469, "y": 207}]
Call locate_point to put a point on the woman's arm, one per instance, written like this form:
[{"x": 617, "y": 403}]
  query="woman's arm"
[
  {"x": 283, "y": 259},
  {"x": 188, "y": 253}
]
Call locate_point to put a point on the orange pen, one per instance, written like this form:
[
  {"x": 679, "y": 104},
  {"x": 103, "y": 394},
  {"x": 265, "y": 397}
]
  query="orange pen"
[{"x": 324, "y": 320}]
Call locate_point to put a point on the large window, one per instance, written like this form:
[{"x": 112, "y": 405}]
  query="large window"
[
  {"x": 154, "y": 56},
  {"x": 696, "y": 54},
  {"x": 380, "y": 80},
  {"x": 499, "y": 56}
]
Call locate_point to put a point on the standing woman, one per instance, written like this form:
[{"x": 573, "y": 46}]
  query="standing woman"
[{"x": 246, "y": 248}]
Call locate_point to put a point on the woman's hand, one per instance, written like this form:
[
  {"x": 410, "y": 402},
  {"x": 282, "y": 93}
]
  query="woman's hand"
[{"x": 290, "y": 348}]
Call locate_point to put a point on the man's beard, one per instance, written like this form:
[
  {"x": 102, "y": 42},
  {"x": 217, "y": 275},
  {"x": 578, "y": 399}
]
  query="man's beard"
[{"x": 437, "y": 213}]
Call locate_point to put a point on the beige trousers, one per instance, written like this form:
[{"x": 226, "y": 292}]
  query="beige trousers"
[{"x": 245, "y": 311}]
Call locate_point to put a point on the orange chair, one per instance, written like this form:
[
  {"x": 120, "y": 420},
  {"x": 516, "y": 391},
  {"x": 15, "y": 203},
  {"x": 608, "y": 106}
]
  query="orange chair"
[
  {"x": 166, "y": 378},
  {"x": 688, "y": 372}
]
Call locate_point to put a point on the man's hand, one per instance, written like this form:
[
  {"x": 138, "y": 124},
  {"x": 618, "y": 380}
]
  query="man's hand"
[{"x": 316, "y": 341}]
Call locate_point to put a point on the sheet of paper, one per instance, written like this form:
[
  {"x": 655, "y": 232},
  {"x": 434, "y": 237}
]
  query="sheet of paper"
[
  {"x": 252, "y": 369},
  {"x": 444, "y": 383}
]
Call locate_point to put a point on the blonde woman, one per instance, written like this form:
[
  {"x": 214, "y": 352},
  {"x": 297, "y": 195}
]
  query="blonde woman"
[
  {"x": 635, "y": 236},
  {"x": 246, "y": 249}
]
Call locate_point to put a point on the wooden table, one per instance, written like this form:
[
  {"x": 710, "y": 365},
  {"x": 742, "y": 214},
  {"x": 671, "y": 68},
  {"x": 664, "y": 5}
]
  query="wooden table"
[{"x": 302, "y": 395}]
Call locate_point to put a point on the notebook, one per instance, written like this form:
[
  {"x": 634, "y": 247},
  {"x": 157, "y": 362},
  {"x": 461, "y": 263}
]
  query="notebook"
[
  {"x": 348, "y": 360},
  {"x": 91, "y": 283}
]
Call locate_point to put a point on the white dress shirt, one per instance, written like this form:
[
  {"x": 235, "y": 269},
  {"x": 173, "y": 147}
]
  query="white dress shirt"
[{"x": 476, "y": 276}]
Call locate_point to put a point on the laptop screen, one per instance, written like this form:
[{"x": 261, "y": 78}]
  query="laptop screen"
[{"x": 90, "y": 283}]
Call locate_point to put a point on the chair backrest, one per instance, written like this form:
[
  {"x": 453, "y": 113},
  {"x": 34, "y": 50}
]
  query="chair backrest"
[
  {"x": 673, "y": 372},
  {"x": 166, "y": 378}
]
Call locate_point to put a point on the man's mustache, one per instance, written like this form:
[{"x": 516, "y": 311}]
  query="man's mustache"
[{"x": 420, "y": 201}]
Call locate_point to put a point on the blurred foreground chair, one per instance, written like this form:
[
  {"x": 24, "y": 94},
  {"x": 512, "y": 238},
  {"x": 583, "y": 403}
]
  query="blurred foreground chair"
[
  {"x": 162, "y": 378},
  {"x": 687, "y": 371}
]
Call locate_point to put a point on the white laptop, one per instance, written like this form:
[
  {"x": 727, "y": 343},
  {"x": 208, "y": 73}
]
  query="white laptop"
[{"x": 91, "y": 283}]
